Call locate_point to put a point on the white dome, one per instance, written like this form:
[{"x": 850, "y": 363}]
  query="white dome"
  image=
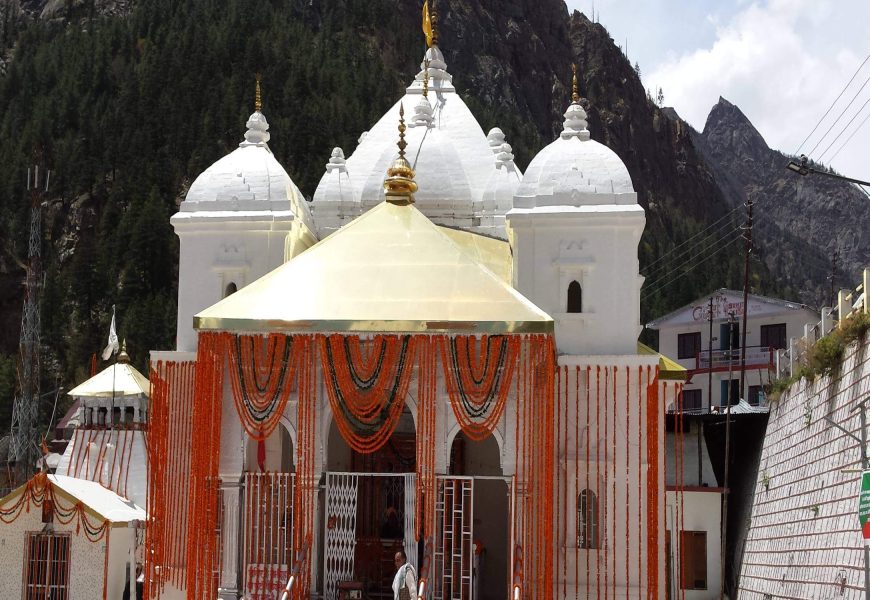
[
  {"x": 575, "y": 170},
  {"x": 247, "y": 179},
  {"x": 451, "y": 156}
]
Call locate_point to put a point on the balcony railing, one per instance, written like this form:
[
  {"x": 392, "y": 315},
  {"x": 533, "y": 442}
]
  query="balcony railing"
[{"x": 757, "y": 357}]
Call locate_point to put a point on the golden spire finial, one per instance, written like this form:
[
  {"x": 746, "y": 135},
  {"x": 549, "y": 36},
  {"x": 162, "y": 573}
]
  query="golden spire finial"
[
  {"x": 426, "y": 78},
  {"x": 258, "y": 101},
  {"x": 575, "y": 97},
  {"x": 399, "y": 185}
]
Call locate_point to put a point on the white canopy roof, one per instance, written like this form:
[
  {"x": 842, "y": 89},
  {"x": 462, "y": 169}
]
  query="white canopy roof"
[{"x": 120, "y": 379}]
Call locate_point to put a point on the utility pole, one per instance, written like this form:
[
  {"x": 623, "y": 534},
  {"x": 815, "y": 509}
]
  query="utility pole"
[
  {"x": 834, "y": 261},
  {"x": 25, "y": 409},
  {"x": 747, "y": 236},
  {"x": 710, "y": 358},
  {"x": 726, "y": 492}
]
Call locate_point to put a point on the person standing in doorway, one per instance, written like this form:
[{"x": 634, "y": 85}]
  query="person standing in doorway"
[{"x": 405, "y": 581}]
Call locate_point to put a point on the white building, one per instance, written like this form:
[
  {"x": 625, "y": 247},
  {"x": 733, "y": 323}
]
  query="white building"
[
  {"x": 460, "y": 247},
  {"x": 63, "y": 537},
  {"x": 685, "y": 336}
]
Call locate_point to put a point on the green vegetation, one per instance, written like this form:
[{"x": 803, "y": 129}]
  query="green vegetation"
[
  {"x": 127, "y": 111},
  {"x": 825, "y": 356}
]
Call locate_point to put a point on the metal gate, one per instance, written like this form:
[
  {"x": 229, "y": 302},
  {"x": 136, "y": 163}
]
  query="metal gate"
[
  {"x": 340, "y": 523},
  {"x": 268, "y": 550},
  {"x": 454, "y": 534},
  {"x": 339, "y": 536}
]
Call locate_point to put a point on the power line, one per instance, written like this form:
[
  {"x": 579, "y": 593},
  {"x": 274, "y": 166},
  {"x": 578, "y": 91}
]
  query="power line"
[
  {"x": 858, "y": 70},
  {"x": 848, "y": 139},
  {"x": 688, "y": 252},
  {"x": 845, "y": 128},
  {"x": 665, "y": 255},
  {"x": 843, "y": 112},
  {"x": 659, "y": 284}
]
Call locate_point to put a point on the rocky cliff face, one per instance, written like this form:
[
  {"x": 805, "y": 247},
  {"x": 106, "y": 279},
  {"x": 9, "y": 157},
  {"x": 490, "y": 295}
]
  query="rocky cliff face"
[{"x": 802, "y": 221}]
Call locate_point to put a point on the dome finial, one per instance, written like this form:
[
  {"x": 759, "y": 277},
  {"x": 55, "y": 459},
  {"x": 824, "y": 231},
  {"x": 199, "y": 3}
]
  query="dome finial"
[
  {"x": 399, "y": 185},
  {"x": 258, "y": 101},
  {"x": 575, "y": 97}
]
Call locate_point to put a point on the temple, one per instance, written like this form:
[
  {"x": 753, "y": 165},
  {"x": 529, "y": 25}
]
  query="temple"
[{"x": 438, "y": 355}]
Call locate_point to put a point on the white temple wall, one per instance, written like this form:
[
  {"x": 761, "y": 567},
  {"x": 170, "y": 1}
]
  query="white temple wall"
[
  {"x": 595, "y": 246},
  {"x": 222, "y": 248}
]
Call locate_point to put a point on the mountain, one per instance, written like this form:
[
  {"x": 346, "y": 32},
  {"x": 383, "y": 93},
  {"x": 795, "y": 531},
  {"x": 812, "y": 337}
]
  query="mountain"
[
  {"x": 129, "y": 101},
  {"x": 802, "y": 221}
]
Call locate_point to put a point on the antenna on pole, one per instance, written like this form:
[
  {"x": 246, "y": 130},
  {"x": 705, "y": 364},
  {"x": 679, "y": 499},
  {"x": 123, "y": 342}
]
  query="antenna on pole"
[{"x": 25, "y": 447}]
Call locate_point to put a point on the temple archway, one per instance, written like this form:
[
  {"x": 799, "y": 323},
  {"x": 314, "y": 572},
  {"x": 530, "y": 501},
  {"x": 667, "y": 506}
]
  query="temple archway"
[{"x": 491, "y": 512}]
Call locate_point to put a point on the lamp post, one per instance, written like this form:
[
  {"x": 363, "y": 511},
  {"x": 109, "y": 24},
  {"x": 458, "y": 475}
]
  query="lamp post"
[
  {"x": 803, "y": 168},
  {"x": 865, "y": 465}
]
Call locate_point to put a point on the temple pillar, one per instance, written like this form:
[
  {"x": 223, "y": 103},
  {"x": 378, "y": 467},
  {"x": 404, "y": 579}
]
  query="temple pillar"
[{"x": 228, "y": 588}]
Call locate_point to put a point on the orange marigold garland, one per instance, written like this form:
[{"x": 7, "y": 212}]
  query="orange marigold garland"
[
  {"x": 478, "y": 373},
  {"x": 262, "y": 371},
  {"x": 367, "y": 385},
  {"x": 204, "y": 486},
  {"x": 653, "y": 483},
  {"x": 305, "y": 491},
  {"x": 427, "y": 389},
  {"x": 168, "y": 447}
]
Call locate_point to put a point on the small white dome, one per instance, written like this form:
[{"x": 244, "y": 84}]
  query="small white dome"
[
  {"x": 575, "y": 170},
  {"x": 247, "y": 179}
]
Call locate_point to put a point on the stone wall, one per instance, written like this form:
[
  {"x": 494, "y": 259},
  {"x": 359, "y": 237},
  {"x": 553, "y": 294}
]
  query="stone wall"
[{"x": 804, "y": 539}]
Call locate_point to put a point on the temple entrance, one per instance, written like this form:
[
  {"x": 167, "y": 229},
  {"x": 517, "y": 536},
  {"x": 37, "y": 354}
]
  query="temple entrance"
[
  {"x": 369, "y": 513},
  {"x": 478, "y": 481},
  {"x": 269, "y": 481}
]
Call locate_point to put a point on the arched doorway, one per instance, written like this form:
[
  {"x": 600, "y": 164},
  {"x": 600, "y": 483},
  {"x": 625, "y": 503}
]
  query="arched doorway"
[
  {"x": 269, "y": 482},
  {"x": 369, "y": 511},
  {"x": 481, "y": 461}
]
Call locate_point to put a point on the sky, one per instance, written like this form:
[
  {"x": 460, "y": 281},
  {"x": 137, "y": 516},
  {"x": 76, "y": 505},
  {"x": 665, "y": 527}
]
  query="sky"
[{"x": 783, "y": 62}]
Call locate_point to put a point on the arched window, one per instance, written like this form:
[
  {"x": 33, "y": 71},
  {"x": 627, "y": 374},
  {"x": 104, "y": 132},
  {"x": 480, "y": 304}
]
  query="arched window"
[
  {"x": 575, "y": 297},
  {"x": 587, "y": 520},
  {"x": 230, "y": 289}
]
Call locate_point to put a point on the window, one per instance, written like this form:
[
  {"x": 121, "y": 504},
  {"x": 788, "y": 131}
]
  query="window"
[
  {"x": 688, "y": 344},
  {"x": 587, "y": 520},
  {"x": 734, "y": 388},
  {"x": 46, "y": 566},
  {"x": 693, "y": 560},
  {"x": 729, "y": 336},
  {"x": 575, "y": 297},
  {"x": 230, "y": 289},
  {"x": 691, "y": 399},
  {"x": 773, "y": 336},
  {"x": 756, "y": 395}
]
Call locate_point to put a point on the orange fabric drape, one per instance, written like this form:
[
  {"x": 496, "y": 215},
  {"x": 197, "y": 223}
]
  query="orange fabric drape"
[
  {"x": 478, "y": 373},
  {"x": 367, "y": 382},
  {"x": 202, "y": 509}
]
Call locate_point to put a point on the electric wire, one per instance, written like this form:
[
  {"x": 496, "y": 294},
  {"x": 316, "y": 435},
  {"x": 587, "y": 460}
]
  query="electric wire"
[
  {"x": 693, "y": 236},
  {"x": 662, "y": 282},
  {"x": 723, "y": 234},
  {"x": 851, "y": 135},
  {"x": 843, "y": 91},
  {"x": 843, "y": 112},
  {"x": 863, "y": 106}
]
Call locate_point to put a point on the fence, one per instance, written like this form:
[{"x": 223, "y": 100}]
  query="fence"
[{"x": 849, "y": 303}]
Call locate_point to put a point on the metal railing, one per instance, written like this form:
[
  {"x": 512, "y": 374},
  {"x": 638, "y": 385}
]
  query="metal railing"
[
  {"x": 756, "y": 356},
  {"x": 849, "y": 303}
]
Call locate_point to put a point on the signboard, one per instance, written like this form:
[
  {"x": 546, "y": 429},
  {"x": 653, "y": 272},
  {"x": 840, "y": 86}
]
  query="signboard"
[{"x": 864, "y": 505}]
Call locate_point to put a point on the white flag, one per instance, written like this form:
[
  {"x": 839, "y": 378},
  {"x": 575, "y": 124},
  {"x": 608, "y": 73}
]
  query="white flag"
[{"x": 112, "y": 348}]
